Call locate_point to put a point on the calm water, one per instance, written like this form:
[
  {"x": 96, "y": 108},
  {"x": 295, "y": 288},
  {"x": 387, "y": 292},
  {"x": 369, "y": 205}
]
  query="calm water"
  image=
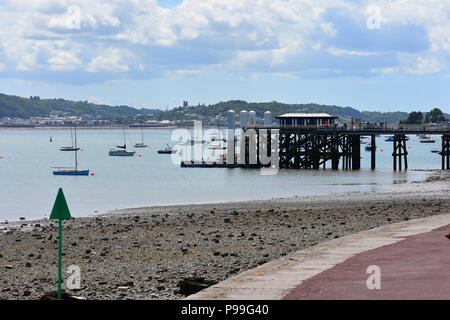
[{"x": 28, "y": 188}]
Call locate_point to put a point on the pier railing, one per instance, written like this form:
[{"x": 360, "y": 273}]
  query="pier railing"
[{"x": 367, "y": 128}]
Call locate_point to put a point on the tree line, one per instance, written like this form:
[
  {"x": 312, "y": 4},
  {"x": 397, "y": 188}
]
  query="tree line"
[{"x": 435, "y": 115}]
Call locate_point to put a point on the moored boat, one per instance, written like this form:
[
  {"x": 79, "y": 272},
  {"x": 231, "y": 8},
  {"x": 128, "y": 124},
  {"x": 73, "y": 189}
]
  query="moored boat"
[
  {"x": 167, "y": 150},
  {"x": 121, "y": 151},
  {"x": 436, "y": 150},
  {"x": 427, "y": 140},
  {"x": 69, "y": 149},
  {"x": 141, "y": 144},
  {"x": 72, "y": 148},
  {"x": 64, "y": 171},
  {"x": 70, "y": 172},
  {"x": 368, "y": 147}
]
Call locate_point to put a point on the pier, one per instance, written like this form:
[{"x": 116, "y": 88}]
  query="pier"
[{"x": 313, "y": 146}]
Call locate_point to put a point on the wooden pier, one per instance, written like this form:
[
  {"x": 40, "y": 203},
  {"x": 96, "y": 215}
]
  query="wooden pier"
[{"x": 311, "y": 147}]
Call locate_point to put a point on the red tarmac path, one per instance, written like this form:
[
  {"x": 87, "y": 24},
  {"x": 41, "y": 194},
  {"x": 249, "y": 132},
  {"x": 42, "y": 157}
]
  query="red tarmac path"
[{"x": 417, "y": 267}]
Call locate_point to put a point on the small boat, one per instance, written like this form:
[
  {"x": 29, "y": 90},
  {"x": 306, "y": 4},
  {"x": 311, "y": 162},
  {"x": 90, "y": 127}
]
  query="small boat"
[
  {"x": 446, "y": 153},
  {"x": 368, "y": 147},
  {"x": 121, "y": 151},
  {"x": 141, "y": 144},
  {"x": 167, "y": 150},
  {"x": 218, "y": 139},
  {"x": 436, "y": 150},
  {"x": 70, "y": 172},
  {"x": 72, "y": 148},
  {"x": 427, "y": 140},
  {"x": 216, "y": 147},
  {"x": 65, "y": 171},
  {"x": 192, "y": 142},
  {"x": 392, "y": 138},
  {"x": 69, "y": 149}
]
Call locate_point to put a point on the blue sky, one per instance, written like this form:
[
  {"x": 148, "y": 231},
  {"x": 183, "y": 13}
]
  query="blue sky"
[{"x": 384, "y": 55}]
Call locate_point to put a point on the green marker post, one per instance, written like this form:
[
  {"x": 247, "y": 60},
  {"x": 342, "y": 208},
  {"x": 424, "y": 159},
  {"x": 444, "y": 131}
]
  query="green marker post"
[{"x": 60, "y": 212}]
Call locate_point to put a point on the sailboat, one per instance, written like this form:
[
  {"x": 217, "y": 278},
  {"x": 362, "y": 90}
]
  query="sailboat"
[
  {"x": 72, "y": 148},
  {"x": 122, "y": 151},
  {"x": 69, "y": 171},
  {"x": 141, "y": 144}
]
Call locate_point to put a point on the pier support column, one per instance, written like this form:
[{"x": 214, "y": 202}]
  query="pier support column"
[
  {"x": 445, "y": 152},
  {"x": 315, "y": 153},
  {"x": 356, "y": 152},
  {"x": 346, "y": 152},
  {"x": 373, "y": 152},
  {"x": 335, "y": 152},
  {"x": 400, "y": 151}
]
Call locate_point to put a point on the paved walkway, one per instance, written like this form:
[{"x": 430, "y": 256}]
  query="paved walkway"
[{"x": 413, "y": 258}]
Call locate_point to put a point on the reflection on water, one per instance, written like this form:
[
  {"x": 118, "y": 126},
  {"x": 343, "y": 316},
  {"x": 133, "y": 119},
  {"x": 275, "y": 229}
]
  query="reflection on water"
[{"x": 28, "y": 188}]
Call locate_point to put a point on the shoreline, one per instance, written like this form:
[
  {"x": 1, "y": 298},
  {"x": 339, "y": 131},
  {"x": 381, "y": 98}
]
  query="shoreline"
[
  {"x": 144, "y": 253},
  {"x": 380, "y": 188},
  {"x": 50, "y": 128}
]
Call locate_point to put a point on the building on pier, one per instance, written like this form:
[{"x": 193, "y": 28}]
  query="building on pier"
[{"x": 306, "y": 119}]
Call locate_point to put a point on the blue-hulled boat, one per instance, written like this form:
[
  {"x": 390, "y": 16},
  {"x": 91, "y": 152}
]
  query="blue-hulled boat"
[
  {"x": 368, "y": 147},
  {"x": 167, "y": 150},
  {"x": 70, "y": 172},
  {"x": 436, "y": 150}
]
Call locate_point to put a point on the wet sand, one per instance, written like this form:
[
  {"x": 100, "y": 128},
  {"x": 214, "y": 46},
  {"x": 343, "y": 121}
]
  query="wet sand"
[{"x": 144, "y": 253}]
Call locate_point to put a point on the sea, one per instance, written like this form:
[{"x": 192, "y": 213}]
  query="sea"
[{"x": 28, "y": 188}]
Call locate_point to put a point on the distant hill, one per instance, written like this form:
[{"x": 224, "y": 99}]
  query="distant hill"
[
  {"x": 13, "y": 106},
  {"x": 345, "y": 113},
  {"x": 18, "y": 107}
]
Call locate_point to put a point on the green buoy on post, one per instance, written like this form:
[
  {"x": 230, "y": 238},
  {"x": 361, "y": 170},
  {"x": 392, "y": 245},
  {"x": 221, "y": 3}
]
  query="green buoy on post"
[{"x": 60, "y": 212}]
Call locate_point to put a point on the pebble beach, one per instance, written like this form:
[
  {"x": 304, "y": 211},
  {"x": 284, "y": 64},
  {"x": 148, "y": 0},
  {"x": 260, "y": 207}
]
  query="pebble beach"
[{"x": 147, "y": 253}]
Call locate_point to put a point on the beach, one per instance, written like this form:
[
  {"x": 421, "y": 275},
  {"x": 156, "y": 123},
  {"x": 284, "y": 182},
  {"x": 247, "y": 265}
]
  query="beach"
[{"x": 146, "y": 253}]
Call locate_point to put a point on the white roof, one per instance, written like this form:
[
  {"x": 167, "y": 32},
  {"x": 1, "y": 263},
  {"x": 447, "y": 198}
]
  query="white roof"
[{"x": 306, "y": 115}]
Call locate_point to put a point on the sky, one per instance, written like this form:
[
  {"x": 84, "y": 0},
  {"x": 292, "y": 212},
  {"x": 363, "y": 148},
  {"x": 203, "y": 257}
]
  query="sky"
[{"x": 374, "y": 55}]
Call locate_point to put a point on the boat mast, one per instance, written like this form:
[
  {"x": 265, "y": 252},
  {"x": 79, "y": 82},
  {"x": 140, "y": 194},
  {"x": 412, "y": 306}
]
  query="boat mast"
[
  {"x": 124, "y": 138},
  {"x": 76, "y": 160}
]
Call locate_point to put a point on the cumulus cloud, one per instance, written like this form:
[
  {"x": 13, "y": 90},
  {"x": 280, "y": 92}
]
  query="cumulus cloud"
[
  {"x": 110, "y": 61},
  {"x": 64, "y": 61},
  {"x": 421, "y": 66},
  {"x": 140, "y": 38}
]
